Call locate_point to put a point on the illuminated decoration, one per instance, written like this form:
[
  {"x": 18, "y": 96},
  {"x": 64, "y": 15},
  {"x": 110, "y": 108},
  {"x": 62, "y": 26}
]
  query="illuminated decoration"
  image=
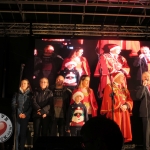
[{"x": 58, "y": 40}]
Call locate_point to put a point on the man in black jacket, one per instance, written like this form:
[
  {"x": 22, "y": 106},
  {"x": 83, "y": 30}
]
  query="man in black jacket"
[
  {"x": 143, "y": 94},
  {"x": 59, "y": 105}
]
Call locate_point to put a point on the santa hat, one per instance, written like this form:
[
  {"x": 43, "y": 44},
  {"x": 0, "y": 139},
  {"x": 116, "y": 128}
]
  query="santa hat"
[
  {"x": 76, "y": 94},
  {"x": 70, "y": 63},
  {"x": 116, "y": 75},
  {"x": 113, "y": 47}
]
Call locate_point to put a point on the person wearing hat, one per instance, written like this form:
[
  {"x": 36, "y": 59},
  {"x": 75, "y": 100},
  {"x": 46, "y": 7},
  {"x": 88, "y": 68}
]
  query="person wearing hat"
[
  {"x": 77, "y": 114},
  {"x": 70, "y": 74},
  {"x": 117, "y": 105},
  {"x": 110, "y": 63}
]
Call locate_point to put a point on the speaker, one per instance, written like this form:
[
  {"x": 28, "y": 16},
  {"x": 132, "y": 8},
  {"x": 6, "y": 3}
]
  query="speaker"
[{"x": 58, "y": 143}]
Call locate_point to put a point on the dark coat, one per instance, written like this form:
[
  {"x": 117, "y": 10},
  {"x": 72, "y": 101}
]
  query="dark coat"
[
  {"x": 143, "y": 95},
  {"x": 142, "y": 67},
  {"x": 22, "y": 102},
  {"x": 41, "y": 100}
]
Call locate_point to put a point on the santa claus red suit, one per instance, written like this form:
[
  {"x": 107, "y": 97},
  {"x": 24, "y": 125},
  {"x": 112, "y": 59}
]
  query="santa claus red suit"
[
  {"x": 122, "y": 105},
  {"x": 110, "y": 63}
]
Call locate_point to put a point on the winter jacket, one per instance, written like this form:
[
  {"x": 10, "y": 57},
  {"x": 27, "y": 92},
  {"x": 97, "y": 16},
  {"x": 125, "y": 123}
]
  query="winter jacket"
[
  {"x": 22, "y": 103},
  {"x": 41, "y": 100}
]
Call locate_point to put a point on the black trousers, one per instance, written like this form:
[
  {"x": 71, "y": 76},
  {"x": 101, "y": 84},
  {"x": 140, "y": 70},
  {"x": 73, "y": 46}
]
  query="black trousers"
[
  {"x": 58, "y": 123},
  {"x": 146, "y": 133},
  {"x": 40, "y": 126},
  {"x": 75, "y": 131},
  {"x": 21, "y": 132}
]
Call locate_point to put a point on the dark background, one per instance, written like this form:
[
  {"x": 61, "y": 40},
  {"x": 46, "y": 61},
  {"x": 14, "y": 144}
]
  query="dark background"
[{"x": 17, "y": 51}]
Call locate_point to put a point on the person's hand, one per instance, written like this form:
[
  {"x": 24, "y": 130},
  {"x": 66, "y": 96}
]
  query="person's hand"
[
  {"x": 23, "y": 116},
  {"x": 123, "y": 107},
  {"x": 118, "y": 66},
  {"x": 20, "y": 115},
  {"x": 44, "y": 115},
  {"x": 145, "y": 83},
  {"x": 141, "y": 56},
  {"x": 68, "y": 131},
  {"x": 38, "y": 112}
]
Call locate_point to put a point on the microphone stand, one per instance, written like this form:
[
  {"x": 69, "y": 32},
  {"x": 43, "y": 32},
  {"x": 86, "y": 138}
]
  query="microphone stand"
[
  {"x": 15, "y": 113},
  {"x": 140, "y": 71},
  {"x": 112, "y": 94}
]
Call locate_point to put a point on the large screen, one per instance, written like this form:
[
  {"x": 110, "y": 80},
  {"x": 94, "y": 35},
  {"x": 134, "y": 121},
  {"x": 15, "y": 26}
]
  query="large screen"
[{"x": 56, "y": 56}]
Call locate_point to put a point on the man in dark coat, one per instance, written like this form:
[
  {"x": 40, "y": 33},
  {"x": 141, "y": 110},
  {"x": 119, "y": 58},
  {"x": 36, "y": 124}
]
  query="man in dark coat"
[
  {"x": 59, "y": 106},
  {"x": 143, "y": 94}
]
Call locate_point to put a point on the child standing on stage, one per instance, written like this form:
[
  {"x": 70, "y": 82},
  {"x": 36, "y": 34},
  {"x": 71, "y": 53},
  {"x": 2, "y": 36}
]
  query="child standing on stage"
[{"x": 77, "y": 114}]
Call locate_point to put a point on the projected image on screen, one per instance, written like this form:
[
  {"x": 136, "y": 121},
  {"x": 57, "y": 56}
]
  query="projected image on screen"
[
  {"x": 73, "y": 58},
  {"x": 64, "y": 57}
]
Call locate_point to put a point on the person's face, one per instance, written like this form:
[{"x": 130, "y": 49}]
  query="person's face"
[
  {"x": 146, "y": 76},
  {"x": 86, "y": 82},
  {"x": 60, "y": 81},
  {"x": 117, "y": 50},
  {"x": 120, "y": 79},
  {"x": 49, "y": 50},
  {"x": 145, "y": 50},
  {"x": 79, "y": 53},
  {"x": 78, "y": 99},
  {"x": 24, "y": 85},
  {"x": 43, "y": 83}
]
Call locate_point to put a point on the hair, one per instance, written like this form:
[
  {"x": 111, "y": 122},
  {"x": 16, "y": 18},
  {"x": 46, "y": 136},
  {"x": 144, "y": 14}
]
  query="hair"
[
  {"x": 46, "y": 80},
  {"x": 82, "y": 78},
  {"x": 29, "y": 86},
  {"x": 76, "y": 49},
  {"x": 60, "y": 76},
  {"x": 104, "y": 131}
]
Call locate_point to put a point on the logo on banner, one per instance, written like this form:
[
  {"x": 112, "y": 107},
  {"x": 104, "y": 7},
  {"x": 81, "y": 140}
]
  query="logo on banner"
[{"x": 6, "y": 128}]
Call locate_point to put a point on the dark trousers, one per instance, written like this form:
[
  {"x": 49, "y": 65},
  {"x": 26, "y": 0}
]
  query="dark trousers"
[
  {"x": 146, "y": 133},
  {"x": 75, "y": 131},
  {"x": 41, "y": 126},
  {"x": 58, "y": 123},
  {"x": 21, "y": 132}
]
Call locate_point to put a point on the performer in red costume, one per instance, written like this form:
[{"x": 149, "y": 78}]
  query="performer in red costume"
[
  {"x": 122, "y": 105},
  {"x": 82, "y": 63},
  {"x": 110, "y": 63},
  {"x": 89, "y": 98}
]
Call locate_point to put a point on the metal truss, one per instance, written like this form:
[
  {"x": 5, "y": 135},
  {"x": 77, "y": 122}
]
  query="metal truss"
[
  {"x": 41, "y": 29},
  {"x": 101, "y": 3}
]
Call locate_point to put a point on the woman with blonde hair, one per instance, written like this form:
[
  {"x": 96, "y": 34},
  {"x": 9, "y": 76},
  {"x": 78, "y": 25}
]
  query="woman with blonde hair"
[
  {"x": 41, "y": 108},
  {"x": 89, "y": 98},
  {"x": 21, "y": 108}
]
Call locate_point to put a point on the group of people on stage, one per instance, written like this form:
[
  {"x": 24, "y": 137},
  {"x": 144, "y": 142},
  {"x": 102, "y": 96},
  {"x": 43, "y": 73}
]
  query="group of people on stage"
[
  {"x": 56, "y": 110},
  {"x": 64, "y": 107}
]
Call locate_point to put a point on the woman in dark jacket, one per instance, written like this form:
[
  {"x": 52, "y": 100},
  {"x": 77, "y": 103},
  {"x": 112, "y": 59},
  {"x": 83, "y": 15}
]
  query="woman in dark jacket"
[
  {"x": 41, "y": 108},
  {"x": 21, "y": 107}
]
